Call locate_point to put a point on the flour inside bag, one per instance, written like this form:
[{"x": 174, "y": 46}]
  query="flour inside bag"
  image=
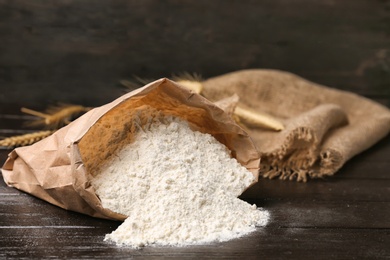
[
  {"x": 60, "y": 168},
  {"x": 177, "y": 187}
]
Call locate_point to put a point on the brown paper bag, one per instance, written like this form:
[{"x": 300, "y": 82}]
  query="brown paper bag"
[
  {"x": 324, "y": 127},
  {"x": 58, "y": 169}
]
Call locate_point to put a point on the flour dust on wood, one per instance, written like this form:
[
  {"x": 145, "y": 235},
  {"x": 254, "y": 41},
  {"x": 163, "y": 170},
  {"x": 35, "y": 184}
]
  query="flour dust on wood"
[{"x": 178, "y": 187}]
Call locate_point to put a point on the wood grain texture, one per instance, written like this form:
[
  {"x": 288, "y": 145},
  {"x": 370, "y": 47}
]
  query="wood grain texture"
[
  {"x": 342, "y": 217},
  {"x": 77, "y": 51},
  {"x": 282, "y": 243}
]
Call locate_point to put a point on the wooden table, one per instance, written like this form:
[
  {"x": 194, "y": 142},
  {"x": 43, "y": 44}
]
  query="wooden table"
[
  {"x": 345, "y": 216},
  {"x": 77, "y": 52}
]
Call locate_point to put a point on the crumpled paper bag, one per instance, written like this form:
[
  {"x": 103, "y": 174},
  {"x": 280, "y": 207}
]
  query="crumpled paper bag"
[
  {"x": 58, "y": 169},
  {"x": 324, "y": 127}
]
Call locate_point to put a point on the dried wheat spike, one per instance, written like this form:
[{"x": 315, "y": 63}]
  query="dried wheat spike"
[
  {"x": 186, "y": 76},
  {"x": 137, "y": 82},
  {"x": 26, "y": 139},
  {"x": 195, "y": 86},
  {"x": 190, "y": 81},
  {"x": 55, "y": 117}
]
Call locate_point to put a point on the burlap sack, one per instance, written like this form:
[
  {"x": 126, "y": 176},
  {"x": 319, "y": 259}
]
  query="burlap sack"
[
  {"x": 324, "y": 127},
  {"x": 58, "y": 169}
]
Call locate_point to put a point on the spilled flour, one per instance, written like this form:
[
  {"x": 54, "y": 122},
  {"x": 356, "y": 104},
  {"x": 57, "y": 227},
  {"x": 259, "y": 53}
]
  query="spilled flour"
[{"x": 177, "y": 187}]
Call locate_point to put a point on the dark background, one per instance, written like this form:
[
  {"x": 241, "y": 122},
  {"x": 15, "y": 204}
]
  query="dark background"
[{"x": 77, "y": 51}]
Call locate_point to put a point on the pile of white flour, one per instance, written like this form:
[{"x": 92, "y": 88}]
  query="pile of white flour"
[{"x": 177, "y": 187}]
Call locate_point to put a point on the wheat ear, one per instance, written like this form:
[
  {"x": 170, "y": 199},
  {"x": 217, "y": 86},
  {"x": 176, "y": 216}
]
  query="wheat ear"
[
  {"x": 137, "y": 82},
  {"x": 26, "y": 139},
  {"x": 55, "y": 116}
]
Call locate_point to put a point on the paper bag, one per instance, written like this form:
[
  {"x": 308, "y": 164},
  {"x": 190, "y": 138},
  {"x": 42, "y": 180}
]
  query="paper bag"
[{"x": 58, "y": 169}]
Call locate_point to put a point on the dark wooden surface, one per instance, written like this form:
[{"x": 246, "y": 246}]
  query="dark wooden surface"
[
  {"x": 77, "y": 52},
  {"x": 343, "y": 217}
]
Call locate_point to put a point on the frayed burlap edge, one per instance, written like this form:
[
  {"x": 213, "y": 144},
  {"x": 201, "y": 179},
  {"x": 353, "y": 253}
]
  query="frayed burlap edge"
[{"x": 330, "y": 139}]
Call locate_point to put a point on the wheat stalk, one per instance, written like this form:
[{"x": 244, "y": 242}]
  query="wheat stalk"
[
  {"x": 256, "y": 119},
  {"x": 26, "y": 139},
  {"x": 55, "y": 117},
  {"x": 240, "y": 114}
]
